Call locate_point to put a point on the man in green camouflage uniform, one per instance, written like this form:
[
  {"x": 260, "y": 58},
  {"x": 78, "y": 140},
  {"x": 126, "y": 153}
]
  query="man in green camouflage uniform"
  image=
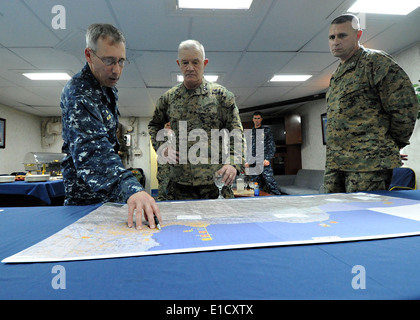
[
  {"x": 197, "y": 110},
  {"x": 371, "y": 112}
]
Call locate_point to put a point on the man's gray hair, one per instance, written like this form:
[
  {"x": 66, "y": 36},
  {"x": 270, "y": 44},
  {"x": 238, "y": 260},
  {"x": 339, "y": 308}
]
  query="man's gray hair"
[
  {"x": 102, "y": 30},
  {"x": 192, "y": 44}
]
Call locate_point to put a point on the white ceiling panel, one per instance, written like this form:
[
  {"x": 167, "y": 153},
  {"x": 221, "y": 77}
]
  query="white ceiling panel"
[
  {"x": 291, "y": 24},
  {"x": 23, "y": 96},
  {"x": 266, "y": 95},
  {"x": 157, "y": 67},
  {"x": 256, "y": 68},
  {"x": 242, "y": 95},
  {"x": 19, "y": 27},
  {"x": 230, "y": 33},
  {"x": 79, "y": 14},
  {"x": 147, "y": 25},
  {"x": 48, "y": 59},
  {"x": 10, "y": 60},
  {"x": 134, "y": 97},
  {"x": 308, "y": 63},
  {"x": 48, "y": 96},
  {"x": 398, "y": 36},
  {"x": 223, "y": 64},
  {"x": 131, "y": 77}
]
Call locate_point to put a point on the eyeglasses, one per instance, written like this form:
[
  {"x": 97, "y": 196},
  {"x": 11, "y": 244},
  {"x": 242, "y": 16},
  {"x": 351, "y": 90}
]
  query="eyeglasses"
[{"x": 109, "y": 61}]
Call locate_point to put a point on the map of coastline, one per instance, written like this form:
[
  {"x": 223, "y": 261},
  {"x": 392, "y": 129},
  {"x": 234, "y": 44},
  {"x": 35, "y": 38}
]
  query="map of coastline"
[{"x": 190, "y": 226}]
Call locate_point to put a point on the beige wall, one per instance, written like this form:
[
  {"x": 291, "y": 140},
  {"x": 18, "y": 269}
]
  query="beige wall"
[
  {"x": 410, "y": 61},
  {"x": 313, "y": 149},
  {"x": 23, "y": 134}
]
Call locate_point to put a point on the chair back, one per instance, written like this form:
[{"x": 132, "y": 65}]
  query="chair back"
[{"x": 403, "y": 179}]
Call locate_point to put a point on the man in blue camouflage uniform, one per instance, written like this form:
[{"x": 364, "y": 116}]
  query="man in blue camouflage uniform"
[
  {"x": 193, "y": 106},
  {"x": 371, "y": 113},
  {"x": 267, "y": 175},
  {"x": 92, "y": 169}
]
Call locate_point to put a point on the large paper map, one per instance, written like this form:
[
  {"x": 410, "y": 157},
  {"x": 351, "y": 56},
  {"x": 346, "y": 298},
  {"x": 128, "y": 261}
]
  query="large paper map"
[{"x": 190, "y": 226}]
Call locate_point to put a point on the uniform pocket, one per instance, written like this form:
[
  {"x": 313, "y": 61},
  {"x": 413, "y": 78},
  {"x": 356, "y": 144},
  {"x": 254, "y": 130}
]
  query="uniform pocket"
[{"x": 353, "y": 89}]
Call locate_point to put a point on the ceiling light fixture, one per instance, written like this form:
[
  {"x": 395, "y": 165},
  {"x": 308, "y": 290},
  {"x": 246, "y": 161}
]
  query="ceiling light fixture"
[
  {"x": 215, "y": 4},
  {"x": 47, "y": 76},
  {"x": 290, "y": 78},
  {"x": 209, "y": 77},
  {"x": 402, "y": 7}
]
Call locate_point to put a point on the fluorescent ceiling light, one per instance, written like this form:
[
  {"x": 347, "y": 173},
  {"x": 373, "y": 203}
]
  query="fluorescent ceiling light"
[
  {"x": 211, "y": 78},
  {"x": 215, "y": 4},
  {"x": 47, "y": 76},
  {"x": 290, "y": 78},
  {"x": 401, "y": 7}
]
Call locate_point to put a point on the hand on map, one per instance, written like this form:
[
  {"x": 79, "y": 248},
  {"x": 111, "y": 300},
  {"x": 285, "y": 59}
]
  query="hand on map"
[
  {"x": 229, "y": 174},
  {"x": 142, "y": 202}
]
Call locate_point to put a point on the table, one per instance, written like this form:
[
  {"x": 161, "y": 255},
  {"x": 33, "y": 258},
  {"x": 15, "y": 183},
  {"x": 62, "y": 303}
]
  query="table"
[
  {"x": 322, "y": 271},
  {"x": 22, "y": 193}
]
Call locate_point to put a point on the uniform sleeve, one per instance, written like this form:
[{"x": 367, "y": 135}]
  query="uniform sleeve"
[
  {"x": 269, "y": 145},
  {"x": 93, "y": 154},
  {"x": 398, "y": 99},
  {"x": 158, "y": 121}
]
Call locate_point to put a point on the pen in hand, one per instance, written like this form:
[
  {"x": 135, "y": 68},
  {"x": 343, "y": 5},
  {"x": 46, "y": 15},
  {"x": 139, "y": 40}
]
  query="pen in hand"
[{"x": 157, "y": 223}]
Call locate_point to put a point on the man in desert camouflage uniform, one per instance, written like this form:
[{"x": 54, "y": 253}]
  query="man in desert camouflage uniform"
[
  {"x": 92, "y": 169},
  {"x": 197, "y": 106},
  {"x": 371, "y": 112}
]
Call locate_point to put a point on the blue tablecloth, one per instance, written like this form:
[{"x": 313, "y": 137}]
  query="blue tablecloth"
[
  {"x": 324, "y": 271},
  {"x": 44, "y": 191}
]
